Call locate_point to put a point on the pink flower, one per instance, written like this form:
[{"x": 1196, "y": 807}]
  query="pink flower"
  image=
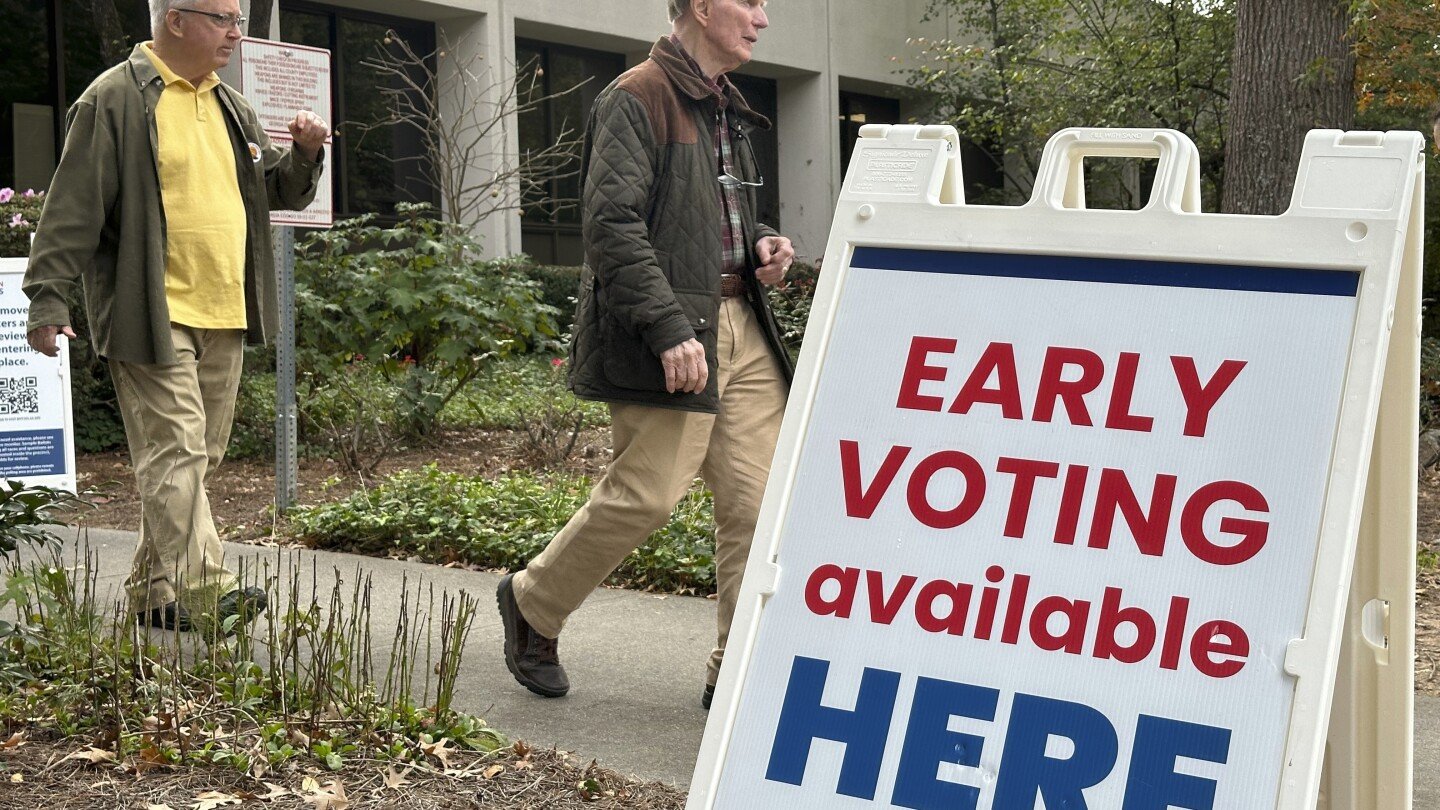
[
  {"x": 29, "y": 192},
  {"x": 557, "y": 362},
  {"x": 17, "y": 221},
  {"x": 6, "y": 194}
]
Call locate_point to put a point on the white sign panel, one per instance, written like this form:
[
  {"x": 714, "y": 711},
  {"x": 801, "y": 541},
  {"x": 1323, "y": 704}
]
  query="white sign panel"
[
  {"x": 321, "y": 212},
  {"x": 37, "y": 439},
  {"x": 1064, "y": 508},
  {"x": 279, "y": 78},
  {"x": 1025, "y": 476}
]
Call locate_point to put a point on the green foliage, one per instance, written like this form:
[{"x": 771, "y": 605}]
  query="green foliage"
[
  {"x": 503, "y": 522},
  {"x": 303, "y": 684},
  {"x": 1011, "y": 74},
  {"x": 508, "y": 394},
  {"x": 791, "y": 302},
  {"x": 19, "y": 214},
  {"x": 1429, "y": 382},
  {"x": 414, "y": 304},
  {"x": 28, "y": 512},
  {"x": 558, "y": 287}
]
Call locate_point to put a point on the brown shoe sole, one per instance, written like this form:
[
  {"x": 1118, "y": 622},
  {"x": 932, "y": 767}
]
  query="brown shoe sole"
[{"x": 509, "y": 618}]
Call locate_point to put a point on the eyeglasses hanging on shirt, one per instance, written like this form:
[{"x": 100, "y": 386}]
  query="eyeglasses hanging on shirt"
[{"x": 729, "y": 180}]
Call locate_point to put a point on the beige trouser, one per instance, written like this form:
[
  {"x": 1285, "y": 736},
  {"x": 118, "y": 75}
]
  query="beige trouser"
[
  {"x": 177, "y": 423},
  {"x": 657, "y": 453}
]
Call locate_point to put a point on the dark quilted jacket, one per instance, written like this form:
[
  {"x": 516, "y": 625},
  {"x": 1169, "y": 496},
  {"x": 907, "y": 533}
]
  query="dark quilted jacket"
[{"x": 652, "y": 229}]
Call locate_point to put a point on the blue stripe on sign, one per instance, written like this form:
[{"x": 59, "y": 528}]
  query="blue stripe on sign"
[{"x": 1112, "y": 271}]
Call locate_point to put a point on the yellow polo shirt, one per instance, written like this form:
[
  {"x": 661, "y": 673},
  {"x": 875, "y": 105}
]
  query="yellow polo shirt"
[{"x": 204, "y": 213}]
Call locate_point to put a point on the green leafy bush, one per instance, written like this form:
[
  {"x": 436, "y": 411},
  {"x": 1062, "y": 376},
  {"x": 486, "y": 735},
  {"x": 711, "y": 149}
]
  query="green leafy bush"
[
  {"x": 508, "y": 395},
  {"x": 791, "y": 302},
  {"x": 503, "y": 522},
  {"x": 1429, "y": 381},
  {"x": 416, "y": 305},
  {"x": 558, "y": 287}
]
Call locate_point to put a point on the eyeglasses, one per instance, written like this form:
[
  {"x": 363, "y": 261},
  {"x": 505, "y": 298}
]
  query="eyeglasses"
[
  {"x": 729, "y": 180},
  {"x": 221, "y": 20}
]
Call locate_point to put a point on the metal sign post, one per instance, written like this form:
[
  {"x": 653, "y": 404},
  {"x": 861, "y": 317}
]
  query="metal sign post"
[{"x": 286, "y": 428}]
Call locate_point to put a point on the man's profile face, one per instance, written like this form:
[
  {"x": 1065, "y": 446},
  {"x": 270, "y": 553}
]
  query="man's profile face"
[
  {"x": 203, "y": 38},
  {"x": 735, "y": 28}
]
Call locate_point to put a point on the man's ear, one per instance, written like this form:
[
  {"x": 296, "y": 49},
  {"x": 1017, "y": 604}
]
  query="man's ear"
[{"x": 700, "y": 10}]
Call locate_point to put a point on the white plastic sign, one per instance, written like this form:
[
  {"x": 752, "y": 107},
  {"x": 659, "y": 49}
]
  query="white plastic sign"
[
  {"x": 1066, "y": 499},
  {"x": 279, "y": 79},
  {"x": 37, "y": 436}
]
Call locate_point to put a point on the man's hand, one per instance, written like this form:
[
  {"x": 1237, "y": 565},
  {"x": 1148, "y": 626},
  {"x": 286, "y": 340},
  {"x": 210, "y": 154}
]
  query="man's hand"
[
  {"x": 309, "y": 131},
  {"x": 685, "y": 368},
  {"x": 42, "y": 339},
  {"x": 775, "y": 254}
]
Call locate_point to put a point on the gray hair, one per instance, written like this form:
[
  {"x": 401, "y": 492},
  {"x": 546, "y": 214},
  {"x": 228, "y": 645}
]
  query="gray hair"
[
  {"x": 675, "y": 8},
  {"x": 159, "y": 8}
]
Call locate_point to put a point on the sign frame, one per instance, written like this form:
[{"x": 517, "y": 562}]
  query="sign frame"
[
  {"x": 1342, "y": 217},
  {"x": 12, "y": 272}
]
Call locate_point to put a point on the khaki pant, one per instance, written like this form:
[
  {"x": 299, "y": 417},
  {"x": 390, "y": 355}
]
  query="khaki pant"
[
  {"x": 177, "y": 424},
  {"x": 657, "y": 453}
]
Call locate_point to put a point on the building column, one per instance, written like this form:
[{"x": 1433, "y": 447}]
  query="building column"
[{"x": 809, "y": 158}]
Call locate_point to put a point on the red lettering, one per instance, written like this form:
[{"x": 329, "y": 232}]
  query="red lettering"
[
  {"x": 860, "y": 501},
  {"x": 1200, "y": 399},
  {"x": 1174, "y": 632},
  {"x": 1119, "y": 416},
  {"x": 1253, "y": 533},
  {"x": 920, "y": 482},
  {"x": 1025, "y": 472},
  {"x": 1115, "y": 494},
  {"x": 1054, "y": 387},
  {"x": 881, "y": 609},
  {"x": 1233, "y": 651},
  {"x": 1067, "y": 521},
  {"x": 917, "y": 372},
  {"x": 1072, "y": 639},
  {"x": 847, "y": 578},
  {"x": 953, "y": 622},
  {"x": 998, "y": 361},
  {"x": 1112, "y": 615}
]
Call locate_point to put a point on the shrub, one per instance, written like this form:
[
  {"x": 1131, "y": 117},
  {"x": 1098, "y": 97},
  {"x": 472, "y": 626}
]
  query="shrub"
[
  {"x": 1429, "y": 382},
  {"x": 414, "y": 304},
  {"x": 19, "y": 212},
  {"x": 508, "y": 395},
  {"x": 791, "y": 302},
  {"x": 559, "y": 285},
  {"x": 503, "y": 522}
]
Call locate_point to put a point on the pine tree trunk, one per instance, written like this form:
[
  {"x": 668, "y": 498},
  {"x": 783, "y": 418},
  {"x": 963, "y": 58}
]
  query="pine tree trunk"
[{"x": 1293, "y": 70}]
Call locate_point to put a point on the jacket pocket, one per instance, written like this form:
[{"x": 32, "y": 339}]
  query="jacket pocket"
[{"x": 628, "y": 361}]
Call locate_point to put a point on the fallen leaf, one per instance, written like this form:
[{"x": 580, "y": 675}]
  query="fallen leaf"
[
  {"x": 330, "y": 797},
  {"x": 16, "y": 740},
  {"x": 394, "y": 780},
  {"x": 521, "y": 748},
  {"x": 441, "y": 750},
  {"x": 93, "y": 755},
  {"x": 523, "y": 765},
  {"x": 309, "y": 785},
  {"x": 272, "y": 792},
  {"x": 211, "y": 799},
  {"x": 158, "y": 807},
  {"x": 493, "y": 771},
  {"x": 17, "y": 777}
]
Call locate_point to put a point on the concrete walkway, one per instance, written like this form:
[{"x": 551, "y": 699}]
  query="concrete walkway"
[{"x": 636, "y": 664}]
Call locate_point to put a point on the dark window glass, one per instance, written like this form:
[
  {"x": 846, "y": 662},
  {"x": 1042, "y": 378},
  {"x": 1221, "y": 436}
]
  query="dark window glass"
[
  {"x": 550, "y": 224},
  {"x": 857, "y": 110},
  {"x": 372, "y": 169},
  {"x": 761, "y": 95}
]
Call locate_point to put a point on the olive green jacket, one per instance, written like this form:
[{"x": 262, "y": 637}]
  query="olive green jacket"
[
  {"x": 652, "y": 227},
  {"x": 104, "y": 222}
]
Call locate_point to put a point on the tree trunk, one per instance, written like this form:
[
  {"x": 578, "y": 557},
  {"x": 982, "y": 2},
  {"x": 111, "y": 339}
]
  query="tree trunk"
[
  {"x": 259, "y": 26},
  {"x": 1293, "y": 70},
  {"x": 114, "y": 46}
]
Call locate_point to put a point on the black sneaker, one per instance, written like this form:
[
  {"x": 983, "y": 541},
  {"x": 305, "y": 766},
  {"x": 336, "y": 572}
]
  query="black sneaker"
[
  {"x": 169, "y": 616},
  {"x": 707, "y": 697},
  {"x": 246, "y": 603},
  {"x": 533, "y": 659}
]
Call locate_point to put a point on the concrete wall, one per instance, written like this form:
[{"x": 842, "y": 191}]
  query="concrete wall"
[{"x": 813, "y": 50}]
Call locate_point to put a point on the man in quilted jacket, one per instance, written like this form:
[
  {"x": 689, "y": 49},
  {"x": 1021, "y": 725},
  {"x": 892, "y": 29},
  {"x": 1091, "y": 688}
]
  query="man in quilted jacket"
[{"x": 673, "y": 327}]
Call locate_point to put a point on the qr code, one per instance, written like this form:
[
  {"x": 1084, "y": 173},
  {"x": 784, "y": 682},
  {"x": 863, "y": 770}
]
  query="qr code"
[{"x": 19, "y": 395}]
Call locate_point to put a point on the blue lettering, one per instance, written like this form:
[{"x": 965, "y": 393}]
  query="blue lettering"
[
  {"x": 1026, "y": 769},
  {"x": 863, "y": 731},
  {"x": 929, "y": 742},
  {"x": 1153, "y": 783}
]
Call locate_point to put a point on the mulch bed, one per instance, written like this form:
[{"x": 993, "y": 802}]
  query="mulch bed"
[{"x": 50, "y": 775}]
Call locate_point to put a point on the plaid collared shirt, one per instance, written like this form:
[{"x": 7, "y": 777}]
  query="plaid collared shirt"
[{"x": 733, "y": 250}]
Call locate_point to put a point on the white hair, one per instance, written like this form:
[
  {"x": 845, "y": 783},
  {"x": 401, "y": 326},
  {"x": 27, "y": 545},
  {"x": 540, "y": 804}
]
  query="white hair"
[{"x": 158, "y": 10}]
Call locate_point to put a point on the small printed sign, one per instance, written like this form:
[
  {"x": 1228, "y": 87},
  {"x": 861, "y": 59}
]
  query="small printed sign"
[
  {"x": 37, "y": 439},
  {"x": 281, "y": 78}
]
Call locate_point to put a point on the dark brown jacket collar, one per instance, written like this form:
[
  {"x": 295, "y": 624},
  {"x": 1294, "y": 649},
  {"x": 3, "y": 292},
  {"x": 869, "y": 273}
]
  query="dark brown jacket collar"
[{"x": 694, "y": 86}]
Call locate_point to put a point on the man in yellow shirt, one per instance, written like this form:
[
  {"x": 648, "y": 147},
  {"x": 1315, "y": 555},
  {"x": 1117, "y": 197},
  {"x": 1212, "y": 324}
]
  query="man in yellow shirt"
[{"x": 160, "y": 205}]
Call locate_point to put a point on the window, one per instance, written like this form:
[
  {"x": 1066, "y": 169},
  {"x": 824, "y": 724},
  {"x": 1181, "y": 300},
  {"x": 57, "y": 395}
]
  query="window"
[
  {"x": 371, "y": 170},
  {"x": 550, "y": 215},
  {"x": 857, "y": 110},
  {"x": 760, "y": 94}
]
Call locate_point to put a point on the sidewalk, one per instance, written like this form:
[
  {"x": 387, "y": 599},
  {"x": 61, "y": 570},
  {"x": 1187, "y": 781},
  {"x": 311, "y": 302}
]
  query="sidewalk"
[{"x": 636, "y": 664}]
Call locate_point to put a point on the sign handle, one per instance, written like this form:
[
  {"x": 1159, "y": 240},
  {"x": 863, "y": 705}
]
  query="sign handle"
[{"x": 1060, "y": 182}]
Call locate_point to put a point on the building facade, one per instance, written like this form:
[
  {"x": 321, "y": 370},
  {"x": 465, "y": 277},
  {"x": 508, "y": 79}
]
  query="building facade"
[{"x": 824, "y": 68}]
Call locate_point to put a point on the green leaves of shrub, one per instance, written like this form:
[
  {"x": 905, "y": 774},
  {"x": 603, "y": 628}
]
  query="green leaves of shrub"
[{"x": 502, "y": 522}]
